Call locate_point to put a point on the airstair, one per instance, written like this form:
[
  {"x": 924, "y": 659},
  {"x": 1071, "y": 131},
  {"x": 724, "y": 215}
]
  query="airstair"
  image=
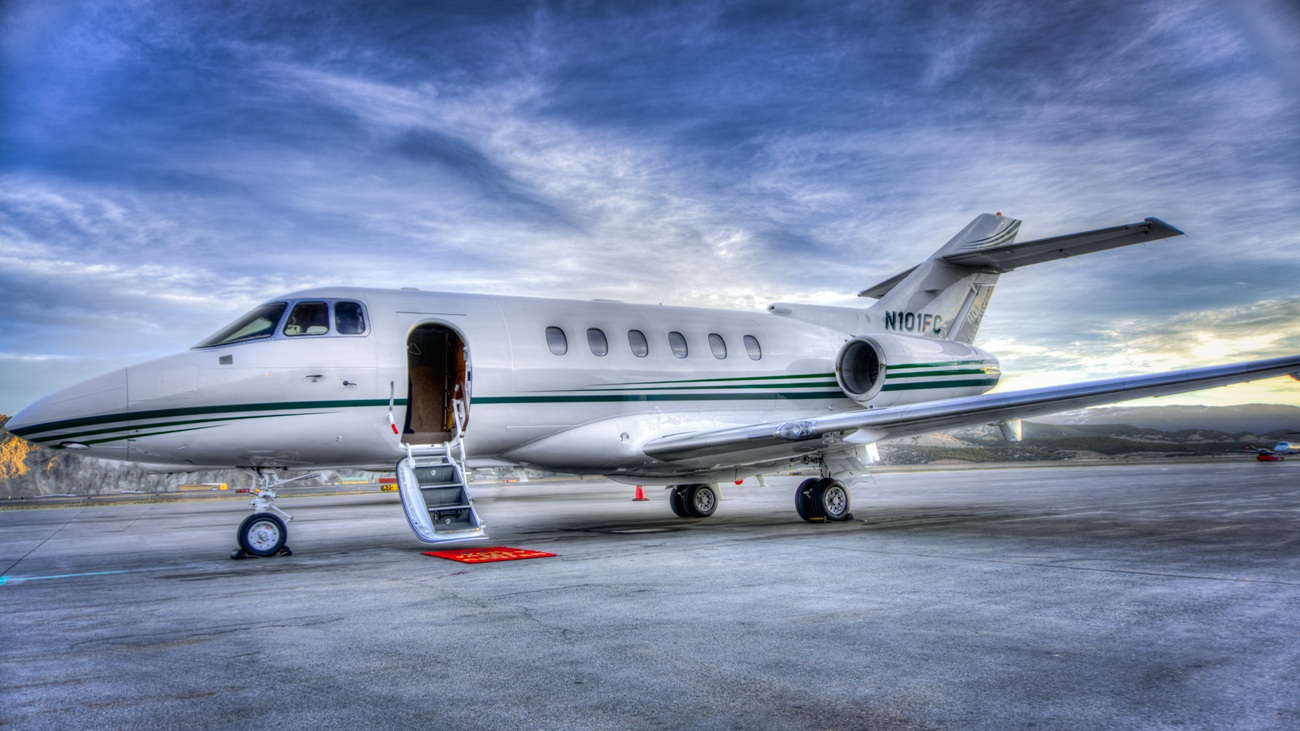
[{"x": 435, "y": 494}]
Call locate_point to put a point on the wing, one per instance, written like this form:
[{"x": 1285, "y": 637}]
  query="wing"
[{"x": 775, "y": 440}]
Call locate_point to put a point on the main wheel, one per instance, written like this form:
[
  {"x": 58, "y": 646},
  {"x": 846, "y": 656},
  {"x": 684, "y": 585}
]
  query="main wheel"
[
  {"x": 701, "y": 500},
  {"x": 262, "y": 534},
  {"x": 804, "y": 504},
  {"x": 832, "y": 499},
  {"x": 677, "y": 501}
]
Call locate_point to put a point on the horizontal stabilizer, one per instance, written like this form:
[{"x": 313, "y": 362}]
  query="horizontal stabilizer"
[
  {"x": 1009, "y": 256},
  {"x": 1006, "y": 257}
]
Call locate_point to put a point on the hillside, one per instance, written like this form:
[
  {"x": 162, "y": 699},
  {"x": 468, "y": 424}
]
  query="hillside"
[
  {"x": 1053, "y": 442},
  {"x": 27, "y": 470},
  {"x": 1245, "y": 419}
]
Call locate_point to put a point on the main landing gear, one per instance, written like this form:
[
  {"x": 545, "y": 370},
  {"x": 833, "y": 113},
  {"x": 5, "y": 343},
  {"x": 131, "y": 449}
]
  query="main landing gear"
[
  {"x": 693, "y": 501},
  {"x": 817, "y": 500},
  {"x": 822, "y": 499}
]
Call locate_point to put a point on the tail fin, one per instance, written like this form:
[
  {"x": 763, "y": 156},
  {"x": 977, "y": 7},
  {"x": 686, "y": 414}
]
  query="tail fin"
[
  {"x": 946, "y": 295},
  {"x": 941, "y": 299}
]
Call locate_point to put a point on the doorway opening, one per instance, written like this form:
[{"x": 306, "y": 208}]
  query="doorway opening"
[{"x": 437, "y": 374}]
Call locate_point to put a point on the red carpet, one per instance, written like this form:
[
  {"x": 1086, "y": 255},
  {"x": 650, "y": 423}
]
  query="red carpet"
[{"x": 486, "y": 555}]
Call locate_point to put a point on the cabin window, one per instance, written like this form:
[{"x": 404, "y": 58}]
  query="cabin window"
[
  {"x": 308, "y": 318},
  {"x": 556, "y": 341},
  {"x": 637, "y": 342},
  {"x": 259, "y": 323},
  {"x": 677, "y": 342},
  {"x": 349, "y": 318},
  {"x": 597, "y": 342},
  {"x": 752, "y": 347},
  {"x": 718, "y": 346}
]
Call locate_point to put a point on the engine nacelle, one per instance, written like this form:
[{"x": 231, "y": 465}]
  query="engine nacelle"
[{"x": 886, "y": 370}]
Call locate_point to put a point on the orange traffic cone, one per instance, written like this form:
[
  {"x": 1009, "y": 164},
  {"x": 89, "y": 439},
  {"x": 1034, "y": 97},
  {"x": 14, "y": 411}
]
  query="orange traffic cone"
[{"x": 640, "y": 495}]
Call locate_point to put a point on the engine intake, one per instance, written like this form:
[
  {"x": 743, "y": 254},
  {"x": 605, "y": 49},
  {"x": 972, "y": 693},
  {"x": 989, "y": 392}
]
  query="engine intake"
[{"x": 860, "y": 369}]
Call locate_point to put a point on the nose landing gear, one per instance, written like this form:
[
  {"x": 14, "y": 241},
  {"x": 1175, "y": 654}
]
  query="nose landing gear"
[{"x": 263, "y": 534}]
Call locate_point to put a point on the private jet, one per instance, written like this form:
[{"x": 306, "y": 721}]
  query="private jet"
[
  {"x": 1276, "y": 454},
  {"x": 439, "y": 383}
]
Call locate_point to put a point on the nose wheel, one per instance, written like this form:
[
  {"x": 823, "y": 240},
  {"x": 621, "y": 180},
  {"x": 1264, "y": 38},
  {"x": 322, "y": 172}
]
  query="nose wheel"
[{"x": 262, "y": 535}]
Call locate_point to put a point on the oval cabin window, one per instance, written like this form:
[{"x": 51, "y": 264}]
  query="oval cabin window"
[
  {"x": 677, "y": 342},
  {"x": 718, "y": 346},
  {"x": 556, "y": 341},
  {"x": 597, "y": 342},
  {"x": 637, "y": 342}
]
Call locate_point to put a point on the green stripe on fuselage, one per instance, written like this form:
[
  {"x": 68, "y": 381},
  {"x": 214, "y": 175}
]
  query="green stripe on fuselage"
[
  {"x": 945, "y": 364},
  {"x": 791, "y": 377},
  {"x": 941, "y": 374},
  {"x": 614, "y": 389},
  {"x": 198, "y": 411},
  {"x": 969, "y": 383},
  {"x": 77, "y": 436},
  {"x": 631, "y": 398}
]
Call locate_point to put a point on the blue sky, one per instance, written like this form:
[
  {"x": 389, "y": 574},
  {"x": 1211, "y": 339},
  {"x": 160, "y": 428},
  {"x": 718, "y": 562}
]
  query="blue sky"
[{"x": 164, "y": 166}]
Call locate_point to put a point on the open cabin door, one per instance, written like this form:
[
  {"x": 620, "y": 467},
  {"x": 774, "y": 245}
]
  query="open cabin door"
[
  {"x": 438, "y": 375},
  {"x": 431, "y": 478}
]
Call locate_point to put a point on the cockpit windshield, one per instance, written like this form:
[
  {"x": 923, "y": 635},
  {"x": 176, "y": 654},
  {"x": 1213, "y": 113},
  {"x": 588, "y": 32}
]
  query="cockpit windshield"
[{"x": 259, "y": 323}]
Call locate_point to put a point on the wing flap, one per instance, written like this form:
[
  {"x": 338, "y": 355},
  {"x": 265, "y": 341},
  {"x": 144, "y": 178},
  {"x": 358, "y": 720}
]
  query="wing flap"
[{"x": 818, "y": 433}]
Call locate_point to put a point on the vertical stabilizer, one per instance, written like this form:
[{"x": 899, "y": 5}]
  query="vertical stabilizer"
[{"x": 937, "y": 298}]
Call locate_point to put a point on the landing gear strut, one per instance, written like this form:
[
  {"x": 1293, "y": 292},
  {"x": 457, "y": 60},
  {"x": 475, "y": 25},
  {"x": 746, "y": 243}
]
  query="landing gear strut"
[
  {"x": 820, "y": 500},
  {"x": 693, "y": 501},
  {"x": 263, "y": 534}
]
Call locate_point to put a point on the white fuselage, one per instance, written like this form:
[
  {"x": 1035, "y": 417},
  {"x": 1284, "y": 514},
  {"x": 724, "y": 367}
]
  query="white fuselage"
[{"x": 339, "y": 400}]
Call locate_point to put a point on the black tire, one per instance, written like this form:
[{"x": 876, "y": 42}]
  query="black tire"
[
  {"x": 262, "y": 534},
  {"x": 831, "y": 498},
  {"x": 804, "y": 504},
  {"x": 677, "y": 501},
  {"x": 701, "y": 500}
]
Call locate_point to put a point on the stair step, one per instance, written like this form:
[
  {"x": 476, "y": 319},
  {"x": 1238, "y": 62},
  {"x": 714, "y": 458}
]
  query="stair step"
[{"x": 436, "y": 500}]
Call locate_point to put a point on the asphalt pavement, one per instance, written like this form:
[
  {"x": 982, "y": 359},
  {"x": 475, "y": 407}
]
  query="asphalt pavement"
[{"x": 1164, "y": 596}]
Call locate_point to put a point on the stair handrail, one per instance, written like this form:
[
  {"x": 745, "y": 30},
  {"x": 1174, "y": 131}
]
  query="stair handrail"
[{"x": 458, "y": 416}]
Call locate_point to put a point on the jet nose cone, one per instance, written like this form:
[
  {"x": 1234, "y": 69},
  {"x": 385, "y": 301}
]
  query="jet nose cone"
[{"x": 77, "y": 416}]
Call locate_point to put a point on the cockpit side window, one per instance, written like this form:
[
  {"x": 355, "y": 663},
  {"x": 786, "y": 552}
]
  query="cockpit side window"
[
  {"x": 308, "y": 318},
  {"x": 259, "y": 323},
  {"x": 349, "y": 318}
]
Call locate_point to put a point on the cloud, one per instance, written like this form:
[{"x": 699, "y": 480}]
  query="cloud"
[{"x": 166, "y": 167}]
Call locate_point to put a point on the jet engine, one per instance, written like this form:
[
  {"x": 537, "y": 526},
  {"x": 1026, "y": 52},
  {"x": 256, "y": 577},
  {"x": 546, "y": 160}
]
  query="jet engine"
[{"x": 885, "y": 370}]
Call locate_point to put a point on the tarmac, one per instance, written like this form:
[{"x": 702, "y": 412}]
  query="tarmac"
[{"x": 1123, "y": 597}]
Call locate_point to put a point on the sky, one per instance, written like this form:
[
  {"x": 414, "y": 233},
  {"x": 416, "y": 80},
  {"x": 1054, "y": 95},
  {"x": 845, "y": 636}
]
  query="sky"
[{"x": 164, "y": 166}]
